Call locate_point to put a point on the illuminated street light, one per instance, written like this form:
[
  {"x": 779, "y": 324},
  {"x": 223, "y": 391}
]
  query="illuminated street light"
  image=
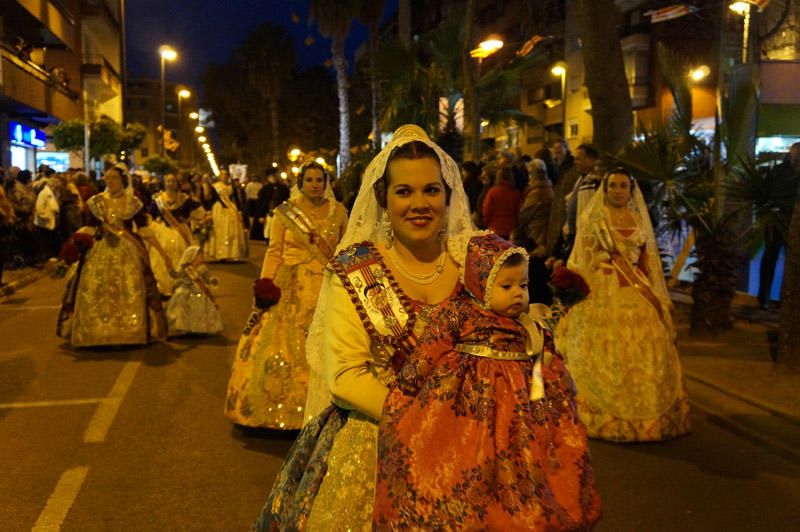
[
  {"x": 167, "y": 53},
  {"x": 184, "y": 93},
  {"x": 199, "y": 129},
  {"x": 486, "y": 48},
  {"x": 740, "y": 7},
  {"x": 193, "y": 115},
  {"x": 274, "y": 165},
  {"x": 284, "y": 175},
  {"x": 699, "y": 73},
  {"x": 558, "y": 69},
  {"x": 295, "y": 170},
  {"x": 206, "y": 146},
  {"x": 201, "y": 139}
]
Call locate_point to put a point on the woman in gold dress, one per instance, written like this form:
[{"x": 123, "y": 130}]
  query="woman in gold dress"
[
  {"x": 269, "y": 381},
  {"x": 227, "y": 241},
  {"x": 111, "y": 297},
  {"x": 394, "y": 267},
  {"x": 619, "y": 342},
  {"x": 171, "y": 211}
]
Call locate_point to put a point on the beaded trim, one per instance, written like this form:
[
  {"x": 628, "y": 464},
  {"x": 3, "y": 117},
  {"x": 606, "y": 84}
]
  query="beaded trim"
[{"x": 487, "y": 298}]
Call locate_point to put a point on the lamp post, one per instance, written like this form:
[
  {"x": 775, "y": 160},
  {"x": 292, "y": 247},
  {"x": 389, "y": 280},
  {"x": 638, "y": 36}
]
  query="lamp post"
[
  {"x": 485, "y": 49},
  {"x": 167, "y": 53},
  {"x": 743, "y": 9},
  {"x": 183, "y": 94},
  {"x": 560, "y": 70}
]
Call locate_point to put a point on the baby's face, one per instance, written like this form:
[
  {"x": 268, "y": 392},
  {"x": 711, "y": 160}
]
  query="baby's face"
[{"x": 510, "y": 291}]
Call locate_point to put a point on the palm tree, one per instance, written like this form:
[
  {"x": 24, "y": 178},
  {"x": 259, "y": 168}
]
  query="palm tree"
[
  {"x": 333, "y": 19},
  {"x": 371, "y": 13},
  {"x": 605, "y": 74},
  {"x": 691, "y": 186},
  {"x": 267, "y": 55}
]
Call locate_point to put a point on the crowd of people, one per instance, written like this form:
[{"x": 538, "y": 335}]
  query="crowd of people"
[{"x": 416, "y": 341}]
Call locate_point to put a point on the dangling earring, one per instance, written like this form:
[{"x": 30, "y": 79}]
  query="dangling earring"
[
  {"x": 388, "y": 233},
  {"x": 443, "y": 231}
]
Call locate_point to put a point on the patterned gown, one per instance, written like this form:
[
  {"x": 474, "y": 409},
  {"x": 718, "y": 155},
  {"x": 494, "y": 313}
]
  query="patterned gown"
[
  {"x": 269, "y": 378},
  {"x": 468, "y": 441},
  {"x": 625, "y": 364},
  {"x": 111, "y": 297}
]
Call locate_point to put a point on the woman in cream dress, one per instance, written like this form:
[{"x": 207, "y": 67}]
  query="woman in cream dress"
[
  {"x": 619, "y": 343},
  {"x": 393, "y": 268},
  {"x": 227, "y": 241}
]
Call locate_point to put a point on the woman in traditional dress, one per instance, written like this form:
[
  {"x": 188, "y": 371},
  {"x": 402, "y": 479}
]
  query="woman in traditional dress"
[
  {"x": 111, "y": 297},
  {"x": 620, "y": 342},
  {"x": 394, "y": 267},
  {"x": 269, "y": 382},
  {"x": 171, "y": 211},
  {"x": 227, "y": 241}
]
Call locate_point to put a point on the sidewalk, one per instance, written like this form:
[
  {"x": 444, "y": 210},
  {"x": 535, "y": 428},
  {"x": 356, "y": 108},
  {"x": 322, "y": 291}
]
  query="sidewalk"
[
  {"x": 15, "y": 280},
  {"x": 732, "y": 377}
]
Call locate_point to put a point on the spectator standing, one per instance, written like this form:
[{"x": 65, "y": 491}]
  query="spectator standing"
[
  {"x": 46, "y": 216},
  {"x": 471, "y": 174},
  {"x": 251, "y": 191},
  {"x": 501, "y": 205},
  {"x": 562, "y": 159}
]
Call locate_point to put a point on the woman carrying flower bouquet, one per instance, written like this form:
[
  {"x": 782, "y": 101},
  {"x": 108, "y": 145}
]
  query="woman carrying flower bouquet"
[
  {"x": 171, "y": 211},
  {"x": 269, "y": 380},
  {"x": 620, "y": 342},
  {"x": 111, "y": 297}
]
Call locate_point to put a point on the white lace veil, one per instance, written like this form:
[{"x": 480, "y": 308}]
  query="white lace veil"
[
  {"x": 589, "y": 249},
  {"x": 365, "y": 225}
]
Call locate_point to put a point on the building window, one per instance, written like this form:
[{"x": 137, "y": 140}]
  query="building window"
[
  {"x": 536, "y": 95},
  {"x": 573, "y": 129}
]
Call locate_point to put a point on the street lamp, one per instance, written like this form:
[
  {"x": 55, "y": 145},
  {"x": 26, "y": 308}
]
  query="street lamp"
[
  {"x": 167, "y": 53},
  {"x": 201, "y": 138},
  {"x": 486, "y": 48},
  {"x": 199, "y": 129},
  {"x": 193, "y": 115},
  {"x": 560, "y": 70},
  {"x": 700, "y": 73}
]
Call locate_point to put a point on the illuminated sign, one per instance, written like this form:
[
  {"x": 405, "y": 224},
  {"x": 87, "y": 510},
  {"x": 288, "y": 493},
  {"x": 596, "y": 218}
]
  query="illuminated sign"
[{"x": 27, "y": 136}]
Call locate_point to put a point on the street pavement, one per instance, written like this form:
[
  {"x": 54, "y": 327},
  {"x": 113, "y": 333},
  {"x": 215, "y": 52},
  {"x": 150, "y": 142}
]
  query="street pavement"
[{"x": 135, "y": 439}]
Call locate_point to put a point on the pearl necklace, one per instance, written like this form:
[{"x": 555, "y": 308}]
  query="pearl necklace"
[{"x": 419, "y": 279}]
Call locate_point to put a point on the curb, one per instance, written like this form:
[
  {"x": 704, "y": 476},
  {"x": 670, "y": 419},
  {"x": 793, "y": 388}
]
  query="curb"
[
  {"x": 775, "y": 410},
  {"x": 746, "y": 420},
  {"x": 15, "y": 286}
]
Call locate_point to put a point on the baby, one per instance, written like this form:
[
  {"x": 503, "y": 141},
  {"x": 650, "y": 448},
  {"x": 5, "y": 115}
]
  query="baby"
[
  {"x": 192, "y": 309},
  {"x": 480, "y": 429}
]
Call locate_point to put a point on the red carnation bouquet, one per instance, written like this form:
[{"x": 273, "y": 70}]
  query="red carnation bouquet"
[
  {"x": 568, "y": 286},
  {"x": 73, "y": 250},
  {"x": 265, "y": 293}
]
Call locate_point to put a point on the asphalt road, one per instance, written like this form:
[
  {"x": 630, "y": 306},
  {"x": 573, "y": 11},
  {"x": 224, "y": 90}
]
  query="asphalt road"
[{"x": 136, "y": 440}]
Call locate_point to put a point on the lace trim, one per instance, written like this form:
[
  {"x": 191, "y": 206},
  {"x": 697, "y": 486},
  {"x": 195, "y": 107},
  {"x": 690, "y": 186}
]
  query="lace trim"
[{"x": 496, "y": 269}]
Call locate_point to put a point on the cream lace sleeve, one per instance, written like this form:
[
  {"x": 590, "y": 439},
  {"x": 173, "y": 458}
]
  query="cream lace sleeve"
[
  {"x": 348, "y": 357},
  {"x": 273, "y": 256}
]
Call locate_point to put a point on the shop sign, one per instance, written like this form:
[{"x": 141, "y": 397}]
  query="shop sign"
[{"x": 27, "y": 136}]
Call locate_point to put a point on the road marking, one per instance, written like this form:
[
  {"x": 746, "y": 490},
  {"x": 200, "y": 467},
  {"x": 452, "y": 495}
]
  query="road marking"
[
  {"x": 28, "y": 307},
  {"x": 61, "y": 500},
  {"x": 36, "y": 404},
  {"x": 107, "y": 410}
]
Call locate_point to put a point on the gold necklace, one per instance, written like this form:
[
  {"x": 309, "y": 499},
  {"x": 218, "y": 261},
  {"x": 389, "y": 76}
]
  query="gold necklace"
[{"x": 425, "y": 279}]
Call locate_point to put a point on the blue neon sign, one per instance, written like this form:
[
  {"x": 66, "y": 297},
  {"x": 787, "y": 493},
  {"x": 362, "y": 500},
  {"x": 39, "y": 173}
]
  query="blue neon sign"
[{"x": 22, "y": 134}]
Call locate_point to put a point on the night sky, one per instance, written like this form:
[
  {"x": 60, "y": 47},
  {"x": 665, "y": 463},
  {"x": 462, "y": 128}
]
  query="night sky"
[{"x": 207, "y": 31}]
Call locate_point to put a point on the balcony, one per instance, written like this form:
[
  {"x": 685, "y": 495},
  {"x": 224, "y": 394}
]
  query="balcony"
[
  {"x": 100, "y": 80},
  {"x": 51, "y": 80}
]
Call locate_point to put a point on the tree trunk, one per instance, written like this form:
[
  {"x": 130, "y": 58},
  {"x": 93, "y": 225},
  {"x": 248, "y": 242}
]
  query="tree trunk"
[
  {"x": 372, "y": 43},
  {"x": 612, "y": 112},
  {"x": 471, "y": 104},
  {"x": 404, "y": 22},
  {"x": 340, "y": 63},
  {"x": 273, "y": 119},
  {"x": 789, "y": 339}
]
